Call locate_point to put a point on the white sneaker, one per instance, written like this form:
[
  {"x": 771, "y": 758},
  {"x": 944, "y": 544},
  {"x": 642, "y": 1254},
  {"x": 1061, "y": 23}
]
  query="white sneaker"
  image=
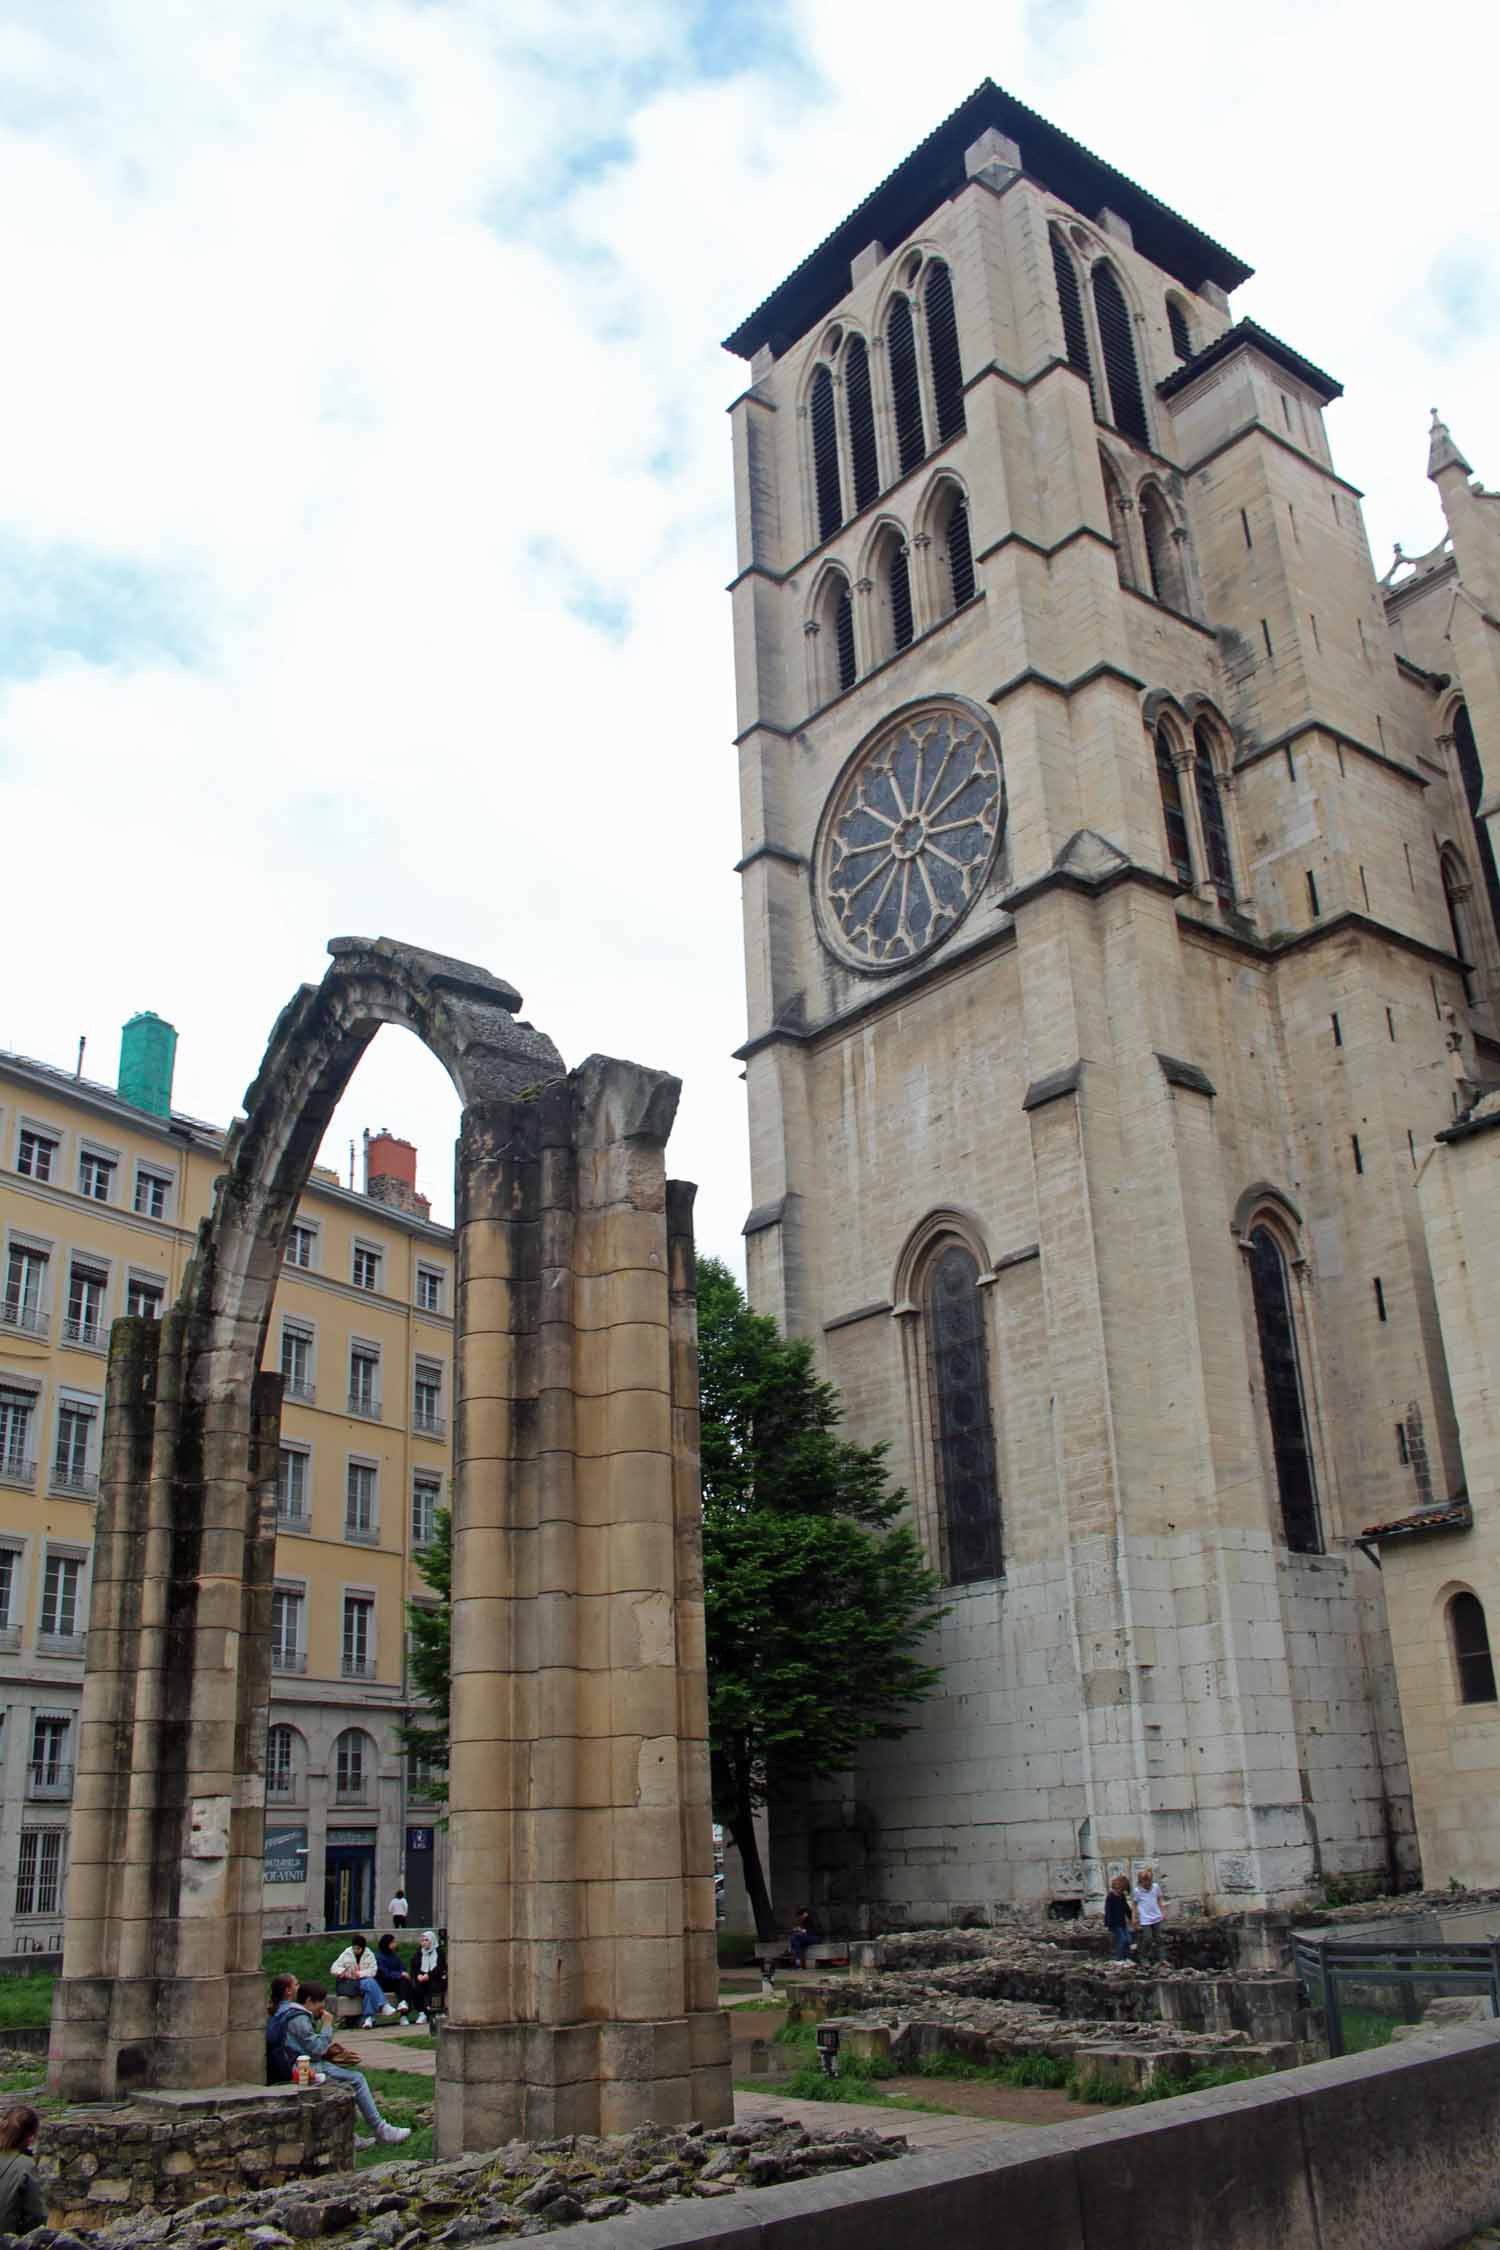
[
  {"x": 368, "y": 2024},
  {"x": 419, "y": 2019},
  {"x": 387, "y": 2010},
  {"x": 390, "y": 2134},
  {"x": 400, "y": 2007}
]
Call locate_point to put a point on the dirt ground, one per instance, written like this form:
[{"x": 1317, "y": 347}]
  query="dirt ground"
[{"x": 1011, "y": 2105}]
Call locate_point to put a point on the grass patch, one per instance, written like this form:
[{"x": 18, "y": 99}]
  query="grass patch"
[
  {"x": 26, "y": 2000},
  {"x": 1020, "y": 2070},
  {"x": 401, "y": 2098},
  {"x": 1365, "y": 2028},
  {"x": 423, "y": 2040}
]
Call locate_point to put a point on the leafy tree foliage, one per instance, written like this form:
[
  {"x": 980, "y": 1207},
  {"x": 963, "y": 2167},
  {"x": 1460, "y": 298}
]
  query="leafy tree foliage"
[
  {"x": 817, "y": 1594},
  {"x": 430, "y": 1663}
]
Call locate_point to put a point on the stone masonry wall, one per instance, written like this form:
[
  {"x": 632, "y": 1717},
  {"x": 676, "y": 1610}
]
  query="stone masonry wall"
[{"x": 167, "y": 2150}]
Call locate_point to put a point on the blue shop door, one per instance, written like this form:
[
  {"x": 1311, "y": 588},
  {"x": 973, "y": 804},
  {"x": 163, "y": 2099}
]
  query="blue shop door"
[
  {"x": 349, "y": 1882},
  {"x": 421, "y": 1860}
]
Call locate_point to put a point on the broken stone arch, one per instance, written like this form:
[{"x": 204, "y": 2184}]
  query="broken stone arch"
[{"x": 581, "y": 1906}]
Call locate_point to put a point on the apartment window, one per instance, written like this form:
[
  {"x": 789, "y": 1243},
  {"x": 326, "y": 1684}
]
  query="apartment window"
[
  {"x": 359, "y": 1636},
  {"x": 299, "y": 1245},
  {"x": 143, "y": 1298},
  {"x": 36, "y": 1154},
  {"x": 51, "y": 1764},
  {"x": 291, "y": 1486},
  {"x": 62, "y": 1587},
  {"x": 39, "y": 1871},
  {"x": 426, "y": 1499},
  {"x": 153, "y": 1192},
  {"x": 288, "y": 1646},
  {"x": 364, "y": 1381},
  {"x": 297, "y": 1360},
  {"x": 421, "y": 1776},
  {"x": 280, "y": 1763},
  {"x": 86, "y": 1287},
  {"x": 360, "y": 1503},
  {"x": 350, "y": 1770},
  {"x": 427, "y": 1399},
  {"x": 10, "y": 1580},
  {"x": 96, "y": 1175},
  {"x": 429, "y": 1289},
  {"x": 17, "y": 1407},
  {"x": 366, "y": 1266},
  {"x": 26, "y": 1288},
  {"x": 72, "y": 1463}
]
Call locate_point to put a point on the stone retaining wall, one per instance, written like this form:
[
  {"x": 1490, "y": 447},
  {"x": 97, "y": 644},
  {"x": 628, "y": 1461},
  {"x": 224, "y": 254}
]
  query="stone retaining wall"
[{"x": 167, "y": 2149}]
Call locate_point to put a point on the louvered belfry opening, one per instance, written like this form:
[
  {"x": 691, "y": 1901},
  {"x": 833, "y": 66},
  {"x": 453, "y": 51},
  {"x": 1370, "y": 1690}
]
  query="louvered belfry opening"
[
  {"x": 1127, "y": 407},
  {"x": 943, "y": 353},
  {"x": 1070, "y": 305},
  {"x": 1163, "y": 563},
  {"x": 958, "y": 1365},
  {"x": 825, "y": 444},
  {"x": 1119, "y": 528},
  {"x": 1285, "y": 1409},
  {"x": 843, "y": 636},
  {"x": 1177, "y": 325},
  {"x": 859, "y": 402},
  {"x": 1472, "y": 775},
  {"x": 906, "y": 386},
  {"x": 1211, "y": 813},
  {"x": 960, "y": 551},
  {"x": 1174, "y": 818},
  {"x": 898, "y": 588}
]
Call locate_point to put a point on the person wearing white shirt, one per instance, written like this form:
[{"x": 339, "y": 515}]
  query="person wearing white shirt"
[
  {"x": 1147, "y": 1908},
  {"x": 398, "y": 1908},
  {"x": 357, "y": 1964}
]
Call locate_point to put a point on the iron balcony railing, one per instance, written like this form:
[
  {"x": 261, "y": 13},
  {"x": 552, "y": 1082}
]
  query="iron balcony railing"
[
  {"x": 288, "y": 1659},
  {"x": 365, "y": 1406},
  {"x": 60, "y": 1644},
  {"x": 353, "y": 1791},
  {"x": 88, "y": 1333},
  {"x": 293, "y": 1515},
  {"x": 282, "y": 1786},
  {"x": 358, "y": 1667},
  {"x": 82, "y": 1483},
  {"x": 16, "y": 1469},
  {"x": 428, "y": 1423},
  {"x": 16, "y": 1313},
  {"x": 47, "y": 1778},
  {"x": 362, "y": 1534},
  {"x": 298, "y": 1387}
]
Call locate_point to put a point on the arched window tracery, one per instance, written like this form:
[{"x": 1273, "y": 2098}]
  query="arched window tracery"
[
  {"x": 962, "y": 1427},
  {"x": 1286, "y": 1405}
]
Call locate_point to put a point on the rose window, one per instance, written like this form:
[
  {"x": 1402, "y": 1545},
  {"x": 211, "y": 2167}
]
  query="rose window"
[{"x": 909, "y": 837}]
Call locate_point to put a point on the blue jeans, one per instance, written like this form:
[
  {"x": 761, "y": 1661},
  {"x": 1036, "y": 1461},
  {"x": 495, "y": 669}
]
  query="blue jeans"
[
  {"x": 1122, "y": 1943},
  {"x": 364, "y": 2100},
  {"x": 372, "y": 1996}
]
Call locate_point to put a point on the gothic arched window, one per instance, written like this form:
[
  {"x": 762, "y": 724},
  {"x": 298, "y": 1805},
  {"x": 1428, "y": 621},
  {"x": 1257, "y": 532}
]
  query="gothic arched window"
[
  {"x": 1119, "y": 524},
  {"x": 1174, "y": 818},
  {"x": 864, "y": 460},
  {"x": 1127, "y": 408},
  {"x": 895, "y": 594},
  {"x": 1070, "y": 305},
  {"x": 834, "y": 662},
  {"x": 825, "y": 448},
  {"x": 1471, "y": 1649},
  {"x": 1163, "y": 562},
  {"x": 1177, "y": 325},
  {"x": 1456, "y": 895},
  {"x": 958, "y": 549},
  {"x": 843, "y": 638},
  {"x": 963, "y": 1433},
  {"x": 1211, "y": 813},
  {"x": 1472, "y": 775},
  {"x": 1286, "y": 1407},
  {"x": 942, "y": 351},
  {"x": 906, "y": 385}
]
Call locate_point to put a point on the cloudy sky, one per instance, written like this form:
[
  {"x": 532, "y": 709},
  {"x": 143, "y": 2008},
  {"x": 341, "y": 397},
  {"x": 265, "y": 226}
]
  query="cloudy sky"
[{"x": 364, "y": 498}]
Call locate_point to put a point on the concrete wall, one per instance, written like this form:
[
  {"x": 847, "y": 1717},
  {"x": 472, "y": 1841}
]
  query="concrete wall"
[{"x": 1386, "y": 2151}]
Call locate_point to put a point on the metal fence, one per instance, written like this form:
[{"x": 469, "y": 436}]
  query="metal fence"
[{"x": 1383, "y": 1977}]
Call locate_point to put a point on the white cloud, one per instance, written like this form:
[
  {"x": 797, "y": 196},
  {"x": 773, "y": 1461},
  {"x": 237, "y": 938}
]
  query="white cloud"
[{"x": 367, "y": 486}]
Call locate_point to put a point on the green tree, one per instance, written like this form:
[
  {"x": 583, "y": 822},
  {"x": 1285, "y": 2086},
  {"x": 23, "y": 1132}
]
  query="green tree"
[
  {"x": 429, "y": 1628},
  {"x": 817, "y": 1595}
]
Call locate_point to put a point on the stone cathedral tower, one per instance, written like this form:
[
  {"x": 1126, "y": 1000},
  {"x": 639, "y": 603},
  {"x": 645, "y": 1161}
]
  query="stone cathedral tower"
[{"x": 1100, "y": 986}]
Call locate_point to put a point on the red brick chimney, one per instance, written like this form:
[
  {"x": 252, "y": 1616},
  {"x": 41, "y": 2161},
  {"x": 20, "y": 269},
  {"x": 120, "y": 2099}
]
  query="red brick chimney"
[{"x": 391, "y": 1174}]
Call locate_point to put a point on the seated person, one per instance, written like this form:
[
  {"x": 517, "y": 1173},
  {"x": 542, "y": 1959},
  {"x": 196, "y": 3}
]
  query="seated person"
[
  {"x": 22, "y": 2205},
  {"x": 430, "y": 1977},
  {"x": 356, "y": 1964},
  {"x": 299, "y": 2024},
  {"x": 391, "y": 1976},
  {"x": 801, "y": 1937}
]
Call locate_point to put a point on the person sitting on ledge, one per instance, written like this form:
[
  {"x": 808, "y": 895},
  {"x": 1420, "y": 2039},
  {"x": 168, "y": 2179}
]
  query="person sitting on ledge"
[
  {"x": 431, "y": 1976},
  {"x": 391, "y": 1975},
  {"x": 801, "y": 1938},
  {"x": 357, "y": 1965},
  {"x": 21, "y": 2203},
  {"x": 299, "y": 2024}
]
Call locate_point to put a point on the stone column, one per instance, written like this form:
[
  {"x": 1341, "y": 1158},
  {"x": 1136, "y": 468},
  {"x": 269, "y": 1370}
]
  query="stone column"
[{"x": 581, "y": 1911}]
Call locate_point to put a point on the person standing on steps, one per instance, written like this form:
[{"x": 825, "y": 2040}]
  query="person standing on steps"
[
  {"x": 21, "y": 2203},
  {"x": 1147, "y": 1901},
  {"x": 1117, "y": 1915},
  {"x": 356, "y": 1964},
  {"x": 299, "y": 2023},
  {"x": 398, "y": 1909}
]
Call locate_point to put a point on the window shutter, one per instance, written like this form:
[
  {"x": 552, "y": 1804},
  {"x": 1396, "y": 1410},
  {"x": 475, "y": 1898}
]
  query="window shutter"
[
  {"x": 1070, "y": 305},
  {"x": 943, "y": 352},
  {"x": 1182, "y": 339},
  {"x": 1117, "y": 341},
  {"x": 960, "y": 553},
  {"x": 899, "y": 581},
  {"x": 825, "y": 441},
  {"x": 843, "y": 638},
  {"x": 906, "y": 387},
  {"x": 859, "y": 400}
]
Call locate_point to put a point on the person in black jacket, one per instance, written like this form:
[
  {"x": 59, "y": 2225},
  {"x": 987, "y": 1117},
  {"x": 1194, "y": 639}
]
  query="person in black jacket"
[
  {"x": 1117, "y": 1915},
  {"x": 21, "y": 2204}
]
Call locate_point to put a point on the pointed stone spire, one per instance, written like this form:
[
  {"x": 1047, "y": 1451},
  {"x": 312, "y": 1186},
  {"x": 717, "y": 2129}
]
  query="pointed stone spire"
[{"x": 1442, "y": 453}]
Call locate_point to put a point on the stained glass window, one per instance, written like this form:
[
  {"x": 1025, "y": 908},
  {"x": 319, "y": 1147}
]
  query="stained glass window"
[{"x": 964, "y": 1435}]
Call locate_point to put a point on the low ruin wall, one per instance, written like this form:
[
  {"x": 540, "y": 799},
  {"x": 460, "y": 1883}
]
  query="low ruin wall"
[
  {"x": 166, "y": 2149},
  {"x": 1392, "y": 2150}
]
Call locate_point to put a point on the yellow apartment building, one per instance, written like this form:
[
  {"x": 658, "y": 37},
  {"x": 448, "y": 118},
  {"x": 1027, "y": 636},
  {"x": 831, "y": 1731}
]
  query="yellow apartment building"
[{"x": 101, "y": 1193}]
